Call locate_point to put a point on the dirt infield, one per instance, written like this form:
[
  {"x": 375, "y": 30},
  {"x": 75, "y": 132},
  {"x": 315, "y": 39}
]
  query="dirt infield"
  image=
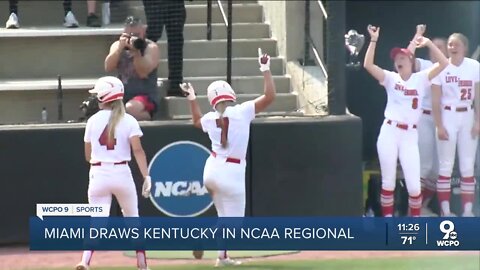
[{"x": 21, "y": 258}]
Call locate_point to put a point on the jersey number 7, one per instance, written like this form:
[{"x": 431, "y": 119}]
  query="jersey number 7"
[
  {"x": 103, "y": 140},
  {"x": 224, "y": 127}
]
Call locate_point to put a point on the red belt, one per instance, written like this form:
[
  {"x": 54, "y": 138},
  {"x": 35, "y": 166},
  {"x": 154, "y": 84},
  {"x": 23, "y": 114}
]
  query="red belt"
[
  {"x": 458, "y": 109},
  {"x": 229, "y": 159},
  {"x": 116, "y": 163},
  {"x": 427, "y": 112},
  {"x": 401, "y": 126}
]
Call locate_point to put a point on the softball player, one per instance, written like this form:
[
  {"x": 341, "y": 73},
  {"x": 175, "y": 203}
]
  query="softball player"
[
  {"x": 228, "y": 127},
  {"x": 110, "y": 136},
  {"x": 456, "y": 101},
  {"x": 426, "y": 127},
  {"x": 398, "y": 136}
]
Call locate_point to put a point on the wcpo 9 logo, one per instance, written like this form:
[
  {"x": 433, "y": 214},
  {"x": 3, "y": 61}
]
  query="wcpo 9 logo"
[{"x": 450, "y": 236}]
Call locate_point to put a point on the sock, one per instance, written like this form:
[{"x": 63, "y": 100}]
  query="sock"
[
  {"x": 386, "y": 200},
  {"x": 467, "y": 186},
  {"x": 141, "y": 259},
  {"x": 87, "y": 257},
  {"x": 428, "y": 189},
  {"x": 415, "y": 204},
  {"x": 222, "y": 254},
  {"x": 443, "y": 191}
]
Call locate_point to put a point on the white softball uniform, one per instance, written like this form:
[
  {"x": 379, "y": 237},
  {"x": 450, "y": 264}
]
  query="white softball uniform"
[
  {"x": 224, "y": 172},
  {"x": 458, "y": 93},
  {"x": 398, "y": 138},
  {"x": 427, "y": 137},
  {"x": 109, "y": 171}
]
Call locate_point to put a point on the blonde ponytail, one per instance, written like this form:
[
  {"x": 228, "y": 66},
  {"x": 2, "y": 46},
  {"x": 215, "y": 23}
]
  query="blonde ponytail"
[
  {"x": 221, "y": 109},
  {"x": 118, "y": 111}
]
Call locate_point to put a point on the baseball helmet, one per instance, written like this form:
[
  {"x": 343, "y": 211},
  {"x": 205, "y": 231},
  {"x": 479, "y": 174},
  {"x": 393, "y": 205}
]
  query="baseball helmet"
[
  {"x": 108, "y": 89},
  {"x": 219, "y": 91}
]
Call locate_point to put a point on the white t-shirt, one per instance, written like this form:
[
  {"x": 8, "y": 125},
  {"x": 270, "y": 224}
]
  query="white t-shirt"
[
  {"x": 404, "y": 101},
  {"x": 96, "y": 133},
  {"x": 427, "y": 98},
  {"x": 237, "y": 121},
  {"x": 458, "y": 83}
]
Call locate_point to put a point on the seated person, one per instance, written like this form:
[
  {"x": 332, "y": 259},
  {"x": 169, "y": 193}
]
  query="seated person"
[{"x": 136, "y": 61}]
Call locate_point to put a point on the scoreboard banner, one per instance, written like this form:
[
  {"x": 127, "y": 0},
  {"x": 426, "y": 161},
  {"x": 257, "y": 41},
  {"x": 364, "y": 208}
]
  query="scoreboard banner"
[{"x": 254, "y": 233}]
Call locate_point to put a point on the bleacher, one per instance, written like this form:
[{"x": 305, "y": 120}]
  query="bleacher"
[{"x": 34, "y": 55}]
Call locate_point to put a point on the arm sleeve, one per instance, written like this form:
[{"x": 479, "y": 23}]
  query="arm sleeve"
[
  {"x": 87, "y": 136},
  {"x": 204, "y": 122},
  {"x": 135, "y": 129},
  {"x": 247, "y": 110}
]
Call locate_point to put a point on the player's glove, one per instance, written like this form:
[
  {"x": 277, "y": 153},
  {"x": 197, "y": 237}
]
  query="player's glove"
[
  {"x": 188, "y": 91},
  {"x": 263, "y": 60},
  {"x": 147, "y": 185},
  {"x": 89, "y": 107}
]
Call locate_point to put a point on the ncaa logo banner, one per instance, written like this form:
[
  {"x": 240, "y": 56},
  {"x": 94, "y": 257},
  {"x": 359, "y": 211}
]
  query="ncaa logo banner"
[{"x": 177, "y": 179}]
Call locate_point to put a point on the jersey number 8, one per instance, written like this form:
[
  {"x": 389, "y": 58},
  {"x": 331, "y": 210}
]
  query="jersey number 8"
[
  {"x": 414, "y": 103},
  {"x": 103, "y": 140}
]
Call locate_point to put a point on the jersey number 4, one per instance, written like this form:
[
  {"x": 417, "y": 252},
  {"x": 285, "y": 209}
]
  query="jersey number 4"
[
  {"x": 224, "y": 127},
  {"x": 103, "y": 140},
  {"x": 466, "y": 93}
]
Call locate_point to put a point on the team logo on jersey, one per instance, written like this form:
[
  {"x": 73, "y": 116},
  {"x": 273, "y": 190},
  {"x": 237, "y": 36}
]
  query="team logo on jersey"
[{"x": 177, "y": 179}]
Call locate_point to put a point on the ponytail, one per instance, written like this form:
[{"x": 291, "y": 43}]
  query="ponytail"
[
  {"x": 118, "y": 111},
  {"x": 221, "y": 106}
]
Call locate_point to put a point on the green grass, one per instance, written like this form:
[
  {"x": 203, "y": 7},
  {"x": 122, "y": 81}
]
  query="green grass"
[
  {"x": 459, "y": 262},
  {"x": 209, "y": 254}
]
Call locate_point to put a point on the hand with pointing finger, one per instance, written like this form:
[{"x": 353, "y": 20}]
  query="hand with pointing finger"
[
  {"x": 263, "y": 60},
  {"x": 188, "y": 91}
]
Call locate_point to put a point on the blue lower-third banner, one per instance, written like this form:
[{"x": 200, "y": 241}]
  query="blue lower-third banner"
[{"x": 152, "y": 233}]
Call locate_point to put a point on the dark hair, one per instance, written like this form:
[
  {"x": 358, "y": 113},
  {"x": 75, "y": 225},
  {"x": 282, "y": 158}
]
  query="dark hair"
[{"x": 133, "y": 21}]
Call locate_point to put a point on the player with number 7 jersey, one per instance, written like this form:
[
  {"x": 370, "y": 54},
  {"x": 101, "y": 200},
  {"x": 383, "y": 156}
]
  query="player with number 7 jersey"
[
  {"x": 228, "y": 127},
  {"x": 398, "y": 138},
  {"x": 111, "y": 135}
]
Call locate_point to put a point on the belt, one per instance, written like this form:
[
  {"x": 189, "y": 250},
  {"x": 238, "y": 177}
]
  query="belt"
[
  {"x": 427, "y": 112},
  {"x": 229, "y": 159},
  {"x": 116, "y": 163},
  {"x": 458, "y": 109},
  {"x": 400, "y": 126}
]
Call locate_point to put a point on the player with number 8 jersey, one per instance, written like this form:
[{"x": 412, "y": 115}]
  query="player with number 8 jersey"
[
  {"x": 398, "y": 138},
  {"x": 228, "y": 128},
  {"x": 111, "y": 135},
  {"x": 456, "y": 110}
]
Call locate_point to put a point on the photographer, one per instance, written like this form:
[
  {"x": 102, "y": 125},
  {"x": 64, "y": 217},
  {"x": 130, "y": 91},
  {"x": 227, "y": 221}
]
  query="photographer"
[{"x": 136, "y": 60}]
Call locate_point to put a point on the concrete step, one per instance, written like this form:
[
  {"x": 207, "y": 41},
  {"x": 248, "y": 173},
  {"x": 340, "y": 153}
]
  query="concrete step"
[
  {"x": 50, "y": 12},
  {"x": 81, "y": 56},
  {"x": 177, "y": 106},
  {"x": 26, "y": 98},
  {"x": 218, "y": 67},
  {"x": 197, "y": 13}
]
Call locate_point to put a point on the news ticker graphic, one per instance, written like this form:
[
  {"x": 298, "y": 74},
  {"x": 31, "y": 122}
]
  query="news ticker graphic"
[
  {"x": 254, "y": 233},
  {"x": 70, "y": 209}
]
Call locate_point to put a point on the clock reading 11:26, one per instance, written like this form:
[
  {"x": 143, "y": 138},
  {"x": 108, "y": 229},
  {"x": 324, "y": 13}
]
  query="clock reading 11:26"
[{"x": 409, "y": 227}]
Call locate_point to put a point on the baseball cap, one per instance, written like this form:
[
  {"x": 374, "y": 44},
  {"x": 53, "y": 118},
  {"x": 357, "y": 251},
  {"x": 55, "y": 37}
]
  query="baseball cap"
[{"x": 395, "y": 51}]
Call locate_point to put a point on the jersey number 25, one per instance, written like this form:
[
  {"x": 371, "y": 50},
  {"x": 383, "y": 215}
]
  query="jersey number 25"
[{"x": 103, "y": 140}]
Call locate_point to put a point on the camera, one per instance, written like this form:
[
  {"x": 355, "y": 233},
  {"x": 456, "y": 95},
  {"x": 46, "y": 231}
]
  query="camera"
[{"x": 138, "y": 43}]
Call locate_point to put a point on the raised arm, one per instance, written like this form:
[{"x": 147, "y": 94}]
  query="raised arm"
[
  {"x": 111, "y": 61},
  {"x": 368, "y": 64},
  {"x": 412, "y": 45},
  {"x": 269, "y": 92},
  {"x": 442, "y": 60},
  {"x": 194, "y": 107},
  {"x": 145, "y": 64}
]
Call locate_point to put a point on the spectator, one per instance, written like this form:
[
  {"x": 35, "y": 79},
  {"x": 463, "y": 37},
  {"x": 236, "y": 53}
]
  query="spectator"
[
  {"x": 69, "y": 21},
  {"x": 137, "y": 68},
  {"x": 172, "y": 15}
]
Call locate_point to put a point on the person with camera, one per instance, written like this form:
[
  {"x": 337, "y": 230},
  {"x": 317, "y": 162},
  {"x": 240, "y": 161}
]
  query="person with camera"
[{"x": 136, "y": 59}]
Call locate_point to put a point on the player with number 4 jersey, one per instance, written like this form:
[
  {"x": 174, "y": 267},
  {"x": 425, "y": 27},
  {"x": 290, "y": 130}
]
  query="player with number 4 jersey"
[
  {"x": 228, "y": 128},
  {"x": 398, "y": 138},
  {"x": 110, "y": 136},
  {"x": 455, "y": 101}
]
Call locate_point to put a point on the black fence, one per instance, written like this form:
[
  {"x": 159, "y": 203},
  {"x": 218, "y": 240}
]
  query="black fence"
[{"x": 296, "y": 167}]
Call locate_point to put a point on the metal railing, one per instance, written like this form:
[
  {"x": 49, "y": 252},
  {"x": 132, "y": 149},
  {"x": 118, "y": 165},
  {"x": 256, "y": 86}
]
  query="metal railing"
[
  {"x": 227, "y": 19},
  {"x": 309, "y": 43}
]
